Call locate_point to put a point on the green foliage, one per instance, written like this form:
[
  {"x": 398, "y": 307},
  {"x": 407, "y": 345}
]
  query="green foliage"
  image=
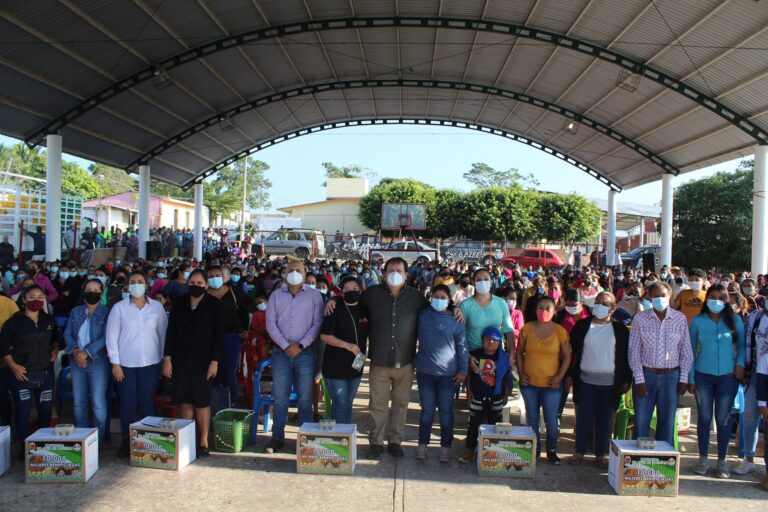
[
  {"x": 566, "y": 217},
  {"x": 224, "y": 194},
  {"x": 713, "y": 220},
  {"x": 347, "y": 171},
  {"x": 77, "y": 181},
  {"x": 449, "y": 205},
  {"x": 484, "y": 176},
  {"x": 395, "y": 191},
  {"x": 112, "y": 180}
]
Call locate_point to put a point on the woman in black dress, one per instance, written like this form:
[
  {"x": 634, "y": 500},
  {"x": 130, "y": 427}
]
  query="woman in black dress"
[{"x": 193, "y": 346}]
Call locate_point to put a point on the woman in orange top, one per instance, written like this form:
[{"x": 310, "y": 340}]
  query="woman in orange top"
[{"x": 543, "y": 358}]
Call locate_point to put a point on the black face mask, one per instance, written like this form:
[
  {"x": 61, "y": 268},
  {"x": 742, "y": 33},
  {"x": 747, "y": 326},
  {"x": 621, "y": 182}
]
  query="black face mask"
[
  {"x": 465, "y": 284},
  {"x": 196, "y": 291},
  {"x": 92, "y": 298},
  {"x": 352, "y": 296},
  {"x": 30, "y": 272},
  {"x": 120, "y": 281}
]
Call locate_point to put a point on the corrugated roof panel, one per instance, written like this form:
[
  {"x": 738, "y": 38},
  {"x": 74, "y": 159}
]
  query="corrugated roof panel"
[
  {"x": 491, "y": 50},
  {"x": 238, "y": 72},
  {"x": 270, "y": 60},
  {"x": 527, "y": 58},
  {"x": 22, "y": 121},
  {"x": 557, "y": 16},
  {"x": 418, "y": 7},
  {"x": 595, "y": 27},
  {"x": 344, "y": 53},
  {"x": 173, "y": 99},
  {"x": 236, "y": 15},
  {"x": 472, "y": 9},
  {"x": 563, "y": 68},
  {"x": 31, "y": 92},
  {"x": 280, "y": 12},
  {"x": 416, "y": 51},
  {"x": 380, "y": 55},
  {"x": 414, "y": 101},
  {"x": 451, "y": 53},
  {"x": 694, "y": 150},
  {"x": 510, "y": 12},
  {"x": 204, "y": 83},
  {"x": 373, "y": 7}
]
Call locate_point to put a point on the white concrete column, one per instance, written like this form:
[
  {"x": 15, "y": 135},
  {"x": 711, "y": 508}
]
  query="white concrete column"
[
  {"x": 198, "y": 232},
  {"x": 760, "y": 213},
  {"x": 666, "y": 220},
  {"x": 17, "y": 242},
  {"x": 642, "y": 232},
  {"x": 53, "y": 199},
  {"x": 610, "y": 238},
  {"x": 143, "y": 210}
]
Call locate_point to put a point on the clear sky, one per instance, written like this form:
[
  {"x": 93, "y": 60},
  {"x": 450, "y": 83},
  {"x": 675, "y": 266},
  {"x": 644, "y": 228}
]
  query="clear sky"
[{"x": 435, "y": 155}]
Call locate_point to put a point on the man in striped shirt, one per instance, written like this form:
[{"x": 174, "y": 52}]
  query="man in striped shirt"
[{"x": 660, "y": 356}]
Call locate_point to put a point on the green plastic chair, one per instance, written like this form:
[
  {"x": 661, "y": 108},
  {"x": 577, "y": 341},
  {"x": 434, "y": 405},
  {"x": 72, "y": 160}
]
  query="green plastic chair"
[
  {"x": 626, "y": 411},
  {"x": 326, "y": 398}
]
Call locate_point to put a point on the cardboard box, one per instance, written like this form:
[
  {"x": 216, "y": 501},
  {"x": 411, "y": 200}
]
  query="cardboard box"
[
  {"x": 5, "y": 449},
  {"x": 510, "y": 455},
  {"x": 326, "y": 452},
  {"x": 163, "y": 443},
  {"x": 52, "y": 458},
  {"x": 683, "y": 420},
  {"x": 635, "y": 472}
]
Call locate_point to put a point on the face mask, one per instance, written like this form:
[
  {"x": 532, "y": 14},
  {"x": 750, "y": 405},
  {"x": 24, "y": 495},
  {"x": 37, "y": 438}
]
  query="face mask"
[
  {"x": 30, "y": 271},
  {"x": 324, "y": 291},
  {"x": 663, "y": 275},
  {"x": 465, "y": 284},
  {"x": 262, "y": 306},
  {"x": 660, "y": 303},
  {"x": 748, "y": 290},
  {"x": 54, "y": 270},
  {"x": 742, "y": 279},
  {"x": 14, "y": 268},
  {"x": 126, "y": 295},
  {"x": 541, "y": 290},
  {"x": 359, "y": 269},
  {"x": 312, "y": 286},
  {"x": 572, "y": 310},
  {"x": 186, "y": 274},
  {"x": 724, "y": 283},
  {"x": 137, "y": 290},
  {"x": 295, "y": 278},
  {"x": 351, "y": 296},
  {"x": 601, "y": 311},
  {"x": 92, "y": 297},
  {"x": 439, "y": 304},
  {"x": 102, "y": 279},
  {"x": 647, "y": 304},
  {"x": 695, "y": 285},
  {"x": 511, "y": 304},
  {"x": 483, "y": 287},
  {"x": 64, "y": 275},
  {"x": 161, "y": 275},
  {"x": 366, "y": 275},
  {"x": 395, "y": 279},
  {"x": 544, "y": 316},
  {"x": 34, "y": 305},
  {"x": 216, "y": 282},
  {"x": 235, "y": 278},
  {"x": 82, "y": 273},
  {"x": 715, "y": 306},
  {"x": 118, "y": 262},
  {"x": 343, "y": 268},
  {"x": 196, "y": 291}
]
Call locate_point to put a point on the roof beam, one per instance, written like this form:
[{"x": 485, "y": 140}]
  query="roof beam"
[
  {"x": 737, "y": 119},
  {"x": 469, "y": 58}
]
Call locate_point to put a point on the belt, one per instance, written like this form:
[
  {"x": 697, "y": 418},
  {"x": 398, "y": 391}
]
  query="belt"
[{"x": 660, "y": 371}]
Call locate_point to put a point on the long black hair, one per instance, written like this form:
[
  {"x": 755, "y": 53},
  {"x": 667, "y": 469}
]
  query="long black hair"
[{"x": 728, "y": 314}]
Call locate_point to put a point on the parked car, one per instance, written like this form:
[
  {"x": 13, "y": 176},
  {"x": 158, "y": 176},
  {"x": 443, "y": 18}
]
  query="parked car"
[
  {"x": 535, "y": 257},
  {"x": 409, "y": 250},
  {"x": 634, "y": 258},
  {"x": 471, "y": 251},
  {"x": 303, "y": 243}
]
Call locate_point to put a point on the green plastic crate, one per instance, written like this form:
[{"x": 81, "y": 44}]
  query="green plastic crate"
[{"x": 232, "y": 430}]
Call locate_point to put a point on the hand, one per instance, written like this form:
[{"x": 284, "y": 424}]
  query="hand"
[
  {"x": 525, "y": 380},
  {"x": 460, "y": 379},
  {"x": 65, "y": 293},
  {"x": 352, "y": 347},
  {"x": 243, "y": 335},
  {"x": 739, "y": 373},
  {"x": 625, "y": 388},
  {"x": 80, "y": 356},
  {"x": 19, "y": 372},
  {"x": 457, "y": 314},
  {"x": 554, "y": 382},
  {"x": 54, "y": 353},
  {"x": 473, "y": 365},
  {"x": 292, "y": 350},
  {"x": 329, "y": 308},
  {"x": 682, "y": 387},
  {"x": 117, "y": 373},
  {"x": 167, "y": 367},
  {"x": 692, "y": 389},
  {"x": 568, "y": 382},
  {"x": 641, "y": 390},
  {"x": 213, "y": 369}
]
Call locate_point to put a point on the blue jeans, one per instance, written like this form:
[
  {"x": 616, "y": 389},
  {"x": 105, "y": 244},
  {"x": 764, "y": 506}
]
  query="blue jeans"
[
  {"x": 38, "y": 386},
  {"x": 137, "y": 395},
  {"x": 227, "y": 374},
  {"x": 662, "y": 396},
  {"x": 89, "y": 384},
  {"x": 436, "y": 391},
  {"x": 343, "y": 393},
  {"x": 549, "y": 400},
  {"x": 751, "y": 417},
  {"x": 595, "y": 407},
  {"x": 717, "y": 391},
  {"x": 288, "y": 374}
]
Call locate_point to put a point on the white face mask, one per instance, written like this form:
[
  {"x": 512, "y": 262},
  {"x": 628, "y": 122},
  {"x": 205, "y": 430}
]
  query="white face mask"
[
  {"x": 483, "y": 287},
  {"x": 137, "y": 289},
  {"x": 601, "y": 311},
  {"x": 295, "y": 278},
  {"x": 695, "y": 285},
  {"x": 395, "y": 279},
  {"x": 573, "y": 310}
]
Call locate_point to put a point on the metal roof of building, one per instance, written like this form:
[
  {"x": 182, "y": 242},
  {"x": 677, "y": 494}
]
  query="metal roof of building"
[{"x": 624, "y": 90}]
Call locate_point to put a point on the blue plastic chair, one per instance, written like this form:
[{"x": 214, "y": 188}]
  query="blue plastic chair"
[
  {"x": 64, "y": 389},
  {"x": 265, "y": 400}
]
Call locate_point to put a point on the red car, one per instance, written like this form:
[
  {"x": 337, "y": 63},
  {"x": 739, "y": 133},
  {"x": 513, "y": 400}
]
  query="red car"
[{"x": 535, "y": 257}]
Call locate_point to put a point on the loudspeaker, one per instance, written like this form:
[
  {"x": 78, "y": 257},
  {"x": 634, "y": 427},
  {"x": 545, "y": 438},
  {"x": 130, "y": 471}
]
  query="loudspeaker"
[
  {"x": 649, "y": 262},
  {"x": 153, "y": 250}
]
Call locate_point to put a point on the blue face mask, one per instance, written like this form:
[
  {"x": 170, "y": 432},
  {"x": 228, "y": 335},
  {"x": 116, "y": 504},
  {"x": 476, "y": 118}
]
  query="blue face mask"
[
  {"x": 54, "y": 270},
  {"x": 216, "y": 282},
  {"x": 64, "y": 275},
  {"x": 647, "y": 304},
  {"x": 103, "y": 280},
  {"x": 715, "y": 306},
  {"x": 235, "y": 278},
  {"x": 439, "y": 304},
  {"x": 660, "y": 303},
  {"x": 161, "y": 275},
  {"x": 186, "y": 274}
]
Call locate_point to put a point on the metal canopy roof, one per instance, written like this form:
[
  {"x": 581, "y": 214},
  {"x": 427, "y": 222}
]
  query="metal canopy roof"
[{"x": 625, "y": 91}]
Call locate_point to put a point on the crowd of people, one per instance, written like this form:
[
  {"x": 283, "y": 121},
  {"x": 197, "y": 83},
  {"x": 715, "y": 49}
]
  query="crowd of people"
[{"x": 591, "y": 333}]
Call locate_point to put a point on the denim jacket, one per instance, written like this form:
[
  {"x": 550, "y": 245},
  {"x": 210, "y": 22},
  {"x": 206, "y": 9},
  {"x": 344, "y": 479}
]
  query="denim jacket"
[{"x": 97, "y": 348}]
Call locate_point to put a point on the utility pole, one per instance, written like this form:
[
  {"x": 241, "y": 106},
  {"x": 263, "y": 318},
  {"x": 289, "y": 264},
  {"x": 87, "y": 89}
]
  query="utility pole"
[{"x": 245, "y": 184}]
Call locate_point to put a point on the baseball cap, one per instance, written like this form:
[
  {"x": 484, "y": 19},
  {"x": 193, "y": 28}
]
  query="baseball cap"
[{"x": 492, "y": 332}]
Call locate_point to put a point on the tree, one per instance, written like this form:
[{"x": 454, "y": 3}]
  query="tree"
[
  {"x": 19, "y": 159},
  {"x": 347, "y": 171},
  {"x": 566, "y": 218},
  {"x": 224, "y": 194},
  {"x": 77, "y": 181},
  {"x": 498, "y": 213},
  {"x": 395, "y": 191},
  {"x": 112, "y": 180},
  {"x": 484, "y": 176},
  {"x": 163, "y": 189},
  {"x": 448, "y": 207},
  {"x": 713, "y": 220}
]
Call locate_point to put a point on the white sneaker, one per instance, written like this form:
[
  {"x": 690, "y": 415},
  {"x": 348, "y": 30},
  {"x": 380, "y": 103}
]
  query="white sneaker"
[
  {"x": 445, "y": 454},
  {"x": 722, "y": 469},
  {"x": 702, "y": 467},
  {"x": 421, "y": 452},
  {"x": 744, "y": 467}
]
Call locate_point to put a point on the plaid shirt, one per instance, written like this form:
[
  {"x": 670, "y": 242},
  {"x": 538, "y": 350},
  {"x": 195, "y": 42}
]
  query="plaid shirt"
[{"x": 660, "y": 344}]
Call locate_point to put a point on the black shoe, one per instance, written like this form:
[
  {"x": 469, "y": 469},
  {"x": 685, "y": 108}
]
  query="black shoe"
[
  {"x": 553, "y": 458},
  {"x": 22, "y": 453},
  {"x": 125, "y": 450},
  {"x": 202, "y": 452},
  {"x": 274, "y": 446},
  {"x": 395, "y": 450},
  {"x": 375, "y": 451}
]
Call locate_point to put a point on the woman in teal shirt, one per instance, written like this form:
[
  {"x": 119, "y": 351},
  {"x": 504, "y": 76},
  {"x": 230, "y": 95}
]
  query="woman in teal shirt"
[
  {"x": 717, "y": 338},
  {"x": 484, "y": 309}
]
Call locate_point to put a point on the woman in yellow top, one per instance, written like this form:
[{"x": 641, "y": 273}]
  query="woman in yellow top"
[{"x": 543, "y": 358}]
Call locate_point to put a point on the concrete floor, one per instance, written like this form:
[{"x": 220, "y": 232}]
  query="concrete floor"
[{"x": 252, "y": 480}]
